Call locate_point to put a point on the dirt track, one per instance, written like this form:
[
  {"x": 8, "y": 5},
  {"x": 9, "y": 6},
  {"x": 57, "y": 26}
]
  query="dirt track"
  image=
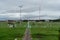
[{"x": 27, "y": 35}]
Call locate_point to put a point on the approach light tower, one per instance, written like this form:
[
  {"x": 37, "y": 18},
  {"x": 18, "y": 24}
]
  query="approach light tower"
[
  {"x": 40, "y": 7},
  {"x": 39, "y": 13},
  {"x": 20, "y": 12}
]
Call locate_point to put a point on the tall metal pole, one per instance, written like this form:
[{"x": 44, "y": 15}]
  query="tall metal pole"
[
  {"x": 39, "y": 13},
  {"x": 40, "y": 6},
  {"x": 20, "y": 13}
]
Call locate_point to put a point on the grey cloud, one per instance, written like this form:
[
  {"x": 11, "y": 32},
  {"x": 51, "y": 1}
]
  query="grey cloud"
[
  {"x": 28, "y": 10},
  {"x": 31, "y": 5}
]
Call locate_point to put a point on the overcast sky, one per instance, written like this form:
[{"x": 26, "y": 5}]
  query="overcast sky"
[{"x": 29, "y": 7}]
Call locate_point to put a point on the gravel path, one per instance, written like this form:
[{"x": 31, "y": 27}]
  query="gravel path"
[{"x": 27, "y": 35}]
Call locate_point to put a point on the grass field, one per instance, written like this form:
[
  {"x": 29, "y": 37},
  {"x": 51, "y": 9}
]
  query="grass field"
[{"x": 39, "y": 31}]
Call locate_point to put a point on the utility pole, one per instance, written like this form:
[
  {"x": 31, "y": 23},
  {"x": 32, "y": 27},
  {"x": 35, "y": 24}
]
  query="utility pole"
[
  {"x": 20, "y": 13},
  {"x": 39, "y": 13},
  {"x": 40, "y": 7}
]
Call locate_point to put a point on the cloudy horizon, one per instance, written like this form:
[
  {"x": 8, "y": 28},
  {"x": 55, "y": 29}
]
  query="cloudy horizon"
[{"x": 11, "y": 8}]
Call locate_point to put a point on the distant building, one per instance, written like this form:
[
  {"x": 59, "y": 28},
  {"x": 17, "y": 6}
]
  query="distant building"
[{"x": 11, "y": 23}]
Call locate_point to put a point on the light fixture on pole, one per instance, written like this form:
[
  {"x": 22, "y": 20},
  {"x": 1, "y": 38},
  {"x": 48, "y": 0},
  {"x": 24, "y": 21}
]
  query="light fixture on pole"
[
  {"x": 40, "y": 7},
  {"x": 20, "y": 13}
]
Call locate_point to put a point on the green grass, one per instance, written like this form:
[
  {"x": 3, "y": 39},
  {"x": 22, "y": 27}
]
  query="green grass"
[{"x": 46, "y": 30}]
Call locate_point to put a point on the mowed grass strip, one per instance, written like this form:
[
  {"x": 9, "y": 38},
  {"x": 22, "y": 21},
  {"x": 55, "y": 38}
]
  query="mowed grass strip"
[
  {"x": 48, "y": 30},
  {"x": 8, "y": 33}
]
